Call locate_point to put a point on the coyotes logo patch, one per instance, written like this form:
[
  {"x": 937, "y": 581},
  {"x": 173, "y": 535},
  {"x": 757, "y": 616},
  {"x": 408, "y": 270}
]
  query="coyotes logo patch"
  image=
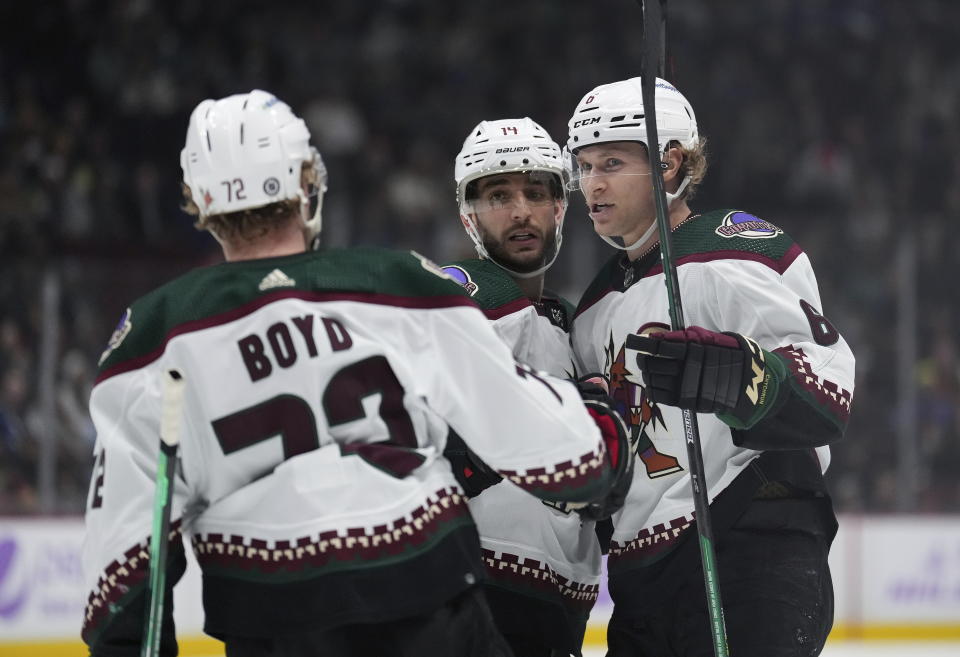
[{"x": 638, "y": 412}]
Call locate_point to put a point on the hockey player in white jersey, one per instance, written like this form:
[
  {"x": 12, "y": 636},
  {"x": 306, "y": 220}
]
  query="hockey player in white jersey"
[
  {"x": 319, "y": 389},
  {"x": 543, "y": 563},
  {"x": 769, "y": 375}
]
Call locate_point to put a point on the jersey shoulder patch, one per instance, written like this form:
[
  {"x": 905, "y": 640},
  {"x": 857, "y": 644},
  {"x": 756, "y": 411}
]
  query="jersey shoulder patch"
[
  {"x": 556, "y": 309},
  {"x": 733, "y": 235},
  {"x": 490, "y": 286}
]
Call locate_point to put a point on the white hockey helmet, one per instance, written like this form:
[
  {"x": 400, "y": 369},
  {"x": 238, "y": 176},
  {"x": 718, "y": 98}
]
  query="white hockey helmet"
[
  {"x": 614, "y": 112},
  {"x": 246, "y": 151},
  {"x": 508, "y": 146}
]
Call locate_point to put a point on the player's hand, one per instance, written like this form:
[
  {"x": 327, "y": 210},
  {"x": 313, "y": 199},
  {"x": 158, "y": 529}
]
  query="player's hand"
[
  {"x": 473, "y": 475},
  {"x": 708, "y": 372},
  {"x": 593, "y": 390}
]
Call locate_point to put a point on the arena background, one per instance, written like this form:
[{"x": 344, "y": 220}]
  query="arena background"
[{"x": 836, "y": 120}]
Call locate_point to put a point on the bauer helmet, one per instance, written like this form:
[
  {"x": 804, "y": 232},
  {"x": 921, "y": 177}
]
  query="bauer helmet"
[
  {"x": 247, "y": 151},
  {"x": 509, "y": 146}
]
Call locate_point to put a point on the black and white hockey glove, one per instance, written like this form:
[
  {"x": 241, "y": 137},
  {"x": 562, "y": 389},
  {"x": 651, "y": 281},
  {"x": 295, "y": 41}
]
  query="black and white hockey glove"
[
  {"x": 708, "y": 372},
  {"x": 473, "y": 475},
  {"x": 593, "y": 391}
]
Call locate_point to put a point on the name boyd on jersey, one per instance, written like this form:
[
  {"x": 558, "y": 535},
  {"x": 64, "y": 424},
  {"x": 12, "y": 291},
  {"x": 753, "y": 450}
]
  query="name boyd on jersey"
[{"x": 283, "y": 351}]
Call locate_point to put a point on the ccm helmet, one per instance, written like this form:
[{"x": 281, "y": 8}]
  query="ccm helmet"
[
  {"x": 508, "y": 146},
  {"x": 247, "y": 151},
  {"x": 614, "y": 112}
]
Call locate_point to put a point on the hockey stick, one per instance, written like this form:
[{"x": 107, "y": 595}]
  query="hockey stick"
[
  {"x": 173, "y": 384},
  {"x": 654, "y": 52}
]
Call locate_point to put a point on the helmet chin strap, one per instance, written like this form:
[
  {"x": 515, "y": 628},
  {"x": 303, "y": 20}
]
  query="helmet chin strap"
[
  {"x": 617, "y": 242},
  {"x": 474, "y": 234},
  {"x": 528, "y": 274}
]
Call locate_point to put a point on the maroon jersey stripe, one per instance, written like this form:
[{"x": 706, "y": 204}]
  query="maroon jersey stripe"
[
  {"x": 506, "y": 309},
  {"x": 417, "y": 303}
]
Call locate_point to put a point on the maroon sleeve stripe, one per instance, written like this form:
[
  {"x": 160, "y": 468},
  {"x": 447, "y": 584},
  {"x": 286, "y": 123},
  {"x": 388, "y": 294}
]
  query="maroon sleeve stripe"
[
  {"x": 584, "y": 306},
  {"x": 778, "y": 265},
  {"x": 507, "y": 308},
  {"x": 416, "y": 303},
  {"x": 828, "y": 394}
]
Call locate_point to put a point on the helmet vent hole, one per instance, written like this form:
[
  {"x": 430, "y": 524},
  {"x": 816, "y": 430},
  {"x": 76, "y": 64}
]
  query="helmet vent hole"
[
  {"x": 245, "y": 101},
  {"x": 638, "y": 116},
  {"x": 263, "y": 142},
  {"x": 576, "y": 138},
  {"x": 241, "y": 128},
  {"x": 619, "y": 118},
  {"x": 209, "y": 147}
]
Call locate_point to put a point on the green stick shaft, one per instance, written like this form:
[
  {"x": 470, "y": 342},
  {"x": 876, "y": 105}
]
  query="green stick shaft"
[
  {"x": 173, "y": 386},
  {"x": 159, "y": 544},
  {"x": 654, "y": 38}
]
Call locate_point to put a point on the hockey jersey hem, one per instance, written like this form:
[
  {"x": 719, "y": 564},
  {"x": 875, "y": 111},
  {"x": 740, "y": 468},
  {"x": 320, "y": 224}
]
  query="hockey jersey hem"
[
  {"x": 240, "y": 607},
  {"x": 536, "y": 579}
]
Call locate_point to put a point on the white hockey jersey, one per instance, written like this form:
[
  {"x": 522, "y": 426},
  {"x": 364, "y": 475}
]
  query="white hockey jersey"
[
  {"x": 319, "y": 392},
  {"x": 543, "y": 563},
  {"x": 736, "y": 273}
]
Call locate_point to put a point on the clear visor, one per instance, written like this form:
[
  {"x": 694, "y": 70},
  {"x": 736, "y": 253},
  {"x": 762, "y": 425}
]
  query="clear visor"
[
  {"x": 584, "y": 175},
  {"x": 512, "y": 190}
]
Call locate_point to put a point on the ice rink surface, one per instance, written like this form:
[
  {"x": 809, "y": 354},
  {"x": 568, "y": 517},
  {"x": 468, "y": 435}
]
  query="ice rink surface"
[{"x": 868, "y": 649}]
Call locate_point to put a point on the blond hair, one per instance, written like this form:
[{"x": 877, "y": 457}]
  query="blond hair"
[{"x": 693, "y": 165}]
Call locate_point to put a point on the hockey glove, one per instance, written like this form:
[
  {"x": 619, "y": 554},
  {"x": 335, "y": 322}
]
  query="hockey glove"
[
  {"x": 708, "y": 372},
  {"x": 615, "y": 437},
  {"x": 473, "y": 475}
]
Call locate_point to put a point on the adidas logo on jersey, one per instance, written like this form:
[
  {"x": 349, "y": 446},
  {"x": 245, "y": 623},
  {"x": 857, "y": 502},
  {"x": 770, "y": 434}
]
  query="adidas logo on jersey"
[{"x": 276, "y": 278}]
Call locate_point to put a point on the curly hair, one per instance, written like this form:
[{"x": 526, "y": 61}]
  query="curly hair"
[{"x": 693, "y": 166}]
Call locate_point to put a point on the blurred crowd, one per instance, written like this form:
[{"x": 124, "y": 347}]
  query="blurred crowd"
[{"x": 835, "y": 119}]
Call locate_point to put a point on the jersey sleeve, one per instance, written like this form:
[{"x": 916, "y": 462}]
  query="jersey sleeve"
[
  {"x": 126, "y": 412},
  {"x": 783, "y": 313},
  {"x": 530, "y": 427}
]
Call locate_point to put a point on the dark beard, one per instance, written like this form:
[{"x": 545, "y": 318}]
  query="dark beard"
[{"x": 497, "y": 253}]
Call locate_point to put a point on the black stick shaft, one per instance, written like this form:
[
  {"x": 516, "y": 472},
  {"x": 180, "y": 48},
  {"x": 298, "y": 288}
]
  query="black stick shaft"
[{"x": 654, "y": 50}]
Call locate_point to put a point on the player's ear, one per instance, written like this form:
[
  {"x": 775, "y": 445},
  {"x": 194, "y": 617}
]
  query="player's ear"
[
  {"x": 559, "y": 208},
  {"x": 672, "y": 159}
]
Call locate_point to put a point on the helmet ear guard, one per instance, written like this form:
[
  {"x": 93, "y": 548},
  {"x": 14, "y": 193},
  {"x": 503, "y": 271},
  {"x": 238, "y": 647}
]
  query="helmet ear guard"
[{"x": 317, "y": 189}]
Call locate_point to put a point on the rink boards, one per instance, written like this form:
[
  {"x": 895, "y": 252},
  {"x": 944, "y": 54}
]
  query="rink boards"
[{"x": 896, "y": 577}]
